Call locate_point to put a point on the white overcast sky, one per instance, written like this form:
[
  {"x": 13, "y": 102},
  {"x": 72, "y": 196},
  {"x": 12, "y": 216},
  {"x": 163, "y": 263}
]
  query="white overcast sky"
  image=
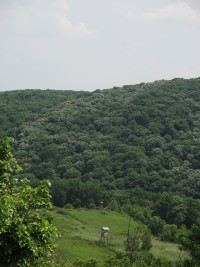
[{"x": 91, "y": 44}]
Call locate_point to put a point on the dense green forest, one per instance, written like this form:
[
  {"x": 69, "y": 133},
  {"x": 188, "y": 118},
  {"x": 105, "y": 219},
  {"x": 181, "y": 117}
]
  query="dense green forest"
[{"x": 135, "y": 147}]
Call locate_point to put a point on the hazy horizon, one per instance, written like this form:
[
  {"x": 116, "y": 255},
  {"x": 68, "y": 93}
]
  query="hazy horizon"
[{"x": 97, "y": 44}]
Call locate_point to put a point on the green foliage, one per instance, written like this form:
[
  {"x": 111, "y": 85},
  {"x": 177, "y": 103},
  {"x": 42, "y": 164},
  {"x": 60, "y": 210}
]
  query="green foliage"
[
  {"x": 87, "y": 263},
  {"x": 113, "y": 205},
  {"x": 137, "y": 145},
  {"x": 119, "y": 261},
  {"x": 169, "y": 233},
  {"x": 138, "y": 239},
  {"x": 177, "y": 209},
  {"x": 68, "y": 206},
  {"x": 26, "y": 229},
  {"x": 144, "y": 259},
  {"x": 156, "y": 225},
  {"x": 142, "y": 214},
  {"x": 190, "y": 240}
]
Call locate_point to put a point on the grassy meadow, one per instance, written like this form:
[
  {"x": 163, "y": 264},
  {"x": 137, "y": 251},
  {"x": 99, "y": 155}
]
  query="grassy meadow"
[{"x": 81, "y": 235}]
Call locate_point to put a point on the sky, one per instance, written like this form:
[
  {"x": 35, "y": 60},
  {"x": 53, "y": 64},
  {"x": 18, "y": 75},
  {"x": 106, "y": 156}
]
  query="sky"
[{"x": 97, "y": 44}]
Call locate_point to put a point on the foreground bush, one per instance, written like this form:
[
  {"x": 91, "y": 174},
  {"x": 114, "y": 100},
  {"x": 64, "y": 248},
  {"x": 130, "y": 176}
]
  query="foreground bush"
[{"x": 26, "y": 229}]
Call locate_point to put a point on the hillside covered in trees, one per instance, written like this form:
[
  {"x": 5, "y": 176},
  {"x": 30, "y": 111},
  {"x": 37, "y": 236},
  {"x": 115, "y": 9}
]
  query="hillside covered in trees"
[{"x": 135, "y": 147}]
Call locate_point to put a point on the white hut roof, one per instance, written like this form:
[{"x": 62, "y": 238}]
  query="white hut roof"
[{"x": 105, "y": 228}]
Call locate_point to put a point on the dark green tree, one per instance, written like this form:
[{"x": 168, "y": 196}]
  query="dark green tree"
[{"x": 190, "y": 241}]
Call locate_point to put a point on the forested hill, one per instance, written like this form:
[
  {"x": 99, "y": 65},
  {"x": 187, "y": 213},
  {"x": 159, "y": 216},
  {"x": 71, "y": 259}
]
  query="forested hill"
[{"x": 98, "y": 146}]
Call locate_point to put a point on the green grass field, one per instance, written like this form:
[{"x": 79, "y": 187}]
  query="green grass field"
[{"x": 81, "y": 230}]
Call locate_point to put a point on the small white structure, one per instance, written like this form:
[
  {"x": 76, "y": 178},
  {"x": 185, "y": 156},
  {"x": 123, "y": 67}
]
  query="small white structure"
[{"x": 104, "y": 231}]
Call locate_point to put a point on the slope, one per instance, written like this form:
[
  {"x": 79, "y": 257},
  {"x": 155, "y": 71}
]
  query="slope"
[{"x": 81, "y": 229}]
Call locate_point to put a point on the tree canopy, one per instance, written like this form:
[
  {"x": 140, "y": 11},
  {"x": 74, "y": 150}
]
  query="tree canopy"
[
  {"x": 26, "y": 229},
  {"x": 136, "y": 144}
]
